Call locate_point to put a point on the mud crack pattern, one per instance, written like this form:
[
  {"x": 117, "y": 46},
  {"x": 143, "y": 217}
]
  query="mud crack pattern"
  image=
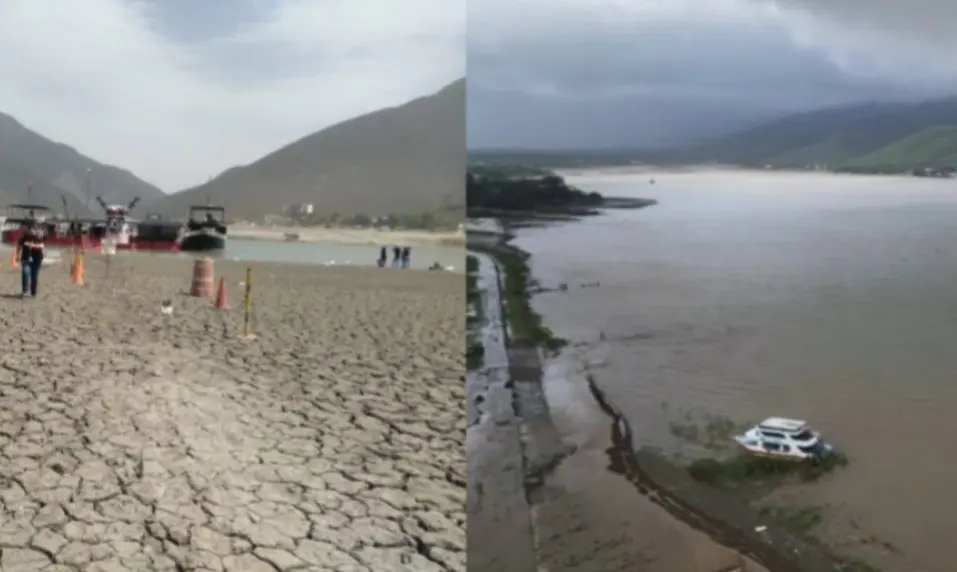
[{"x": 134, "y": 441}]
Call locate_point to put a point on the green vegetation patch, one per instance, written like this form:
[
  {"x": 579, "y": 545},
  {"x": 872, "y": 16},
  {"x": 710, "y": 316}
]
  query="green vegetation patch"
[
  {"x": 714, "y": 433},
  {"x": 799, "y": 521},
  {"x": 744, "y": 467},
  {"x": 526, "y": 325},
  {"x": 475, "y": 351},
  {"x": 474, "y": 355},
  {"x": 930, "y": 148}
]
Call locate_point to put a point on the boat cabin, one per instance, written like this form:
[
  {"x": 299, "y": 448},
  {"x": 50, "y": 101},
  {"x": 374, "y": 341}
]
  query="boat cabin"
[
  {"x": 780, "y": 427},
  {"x": 207, "y": 218}
]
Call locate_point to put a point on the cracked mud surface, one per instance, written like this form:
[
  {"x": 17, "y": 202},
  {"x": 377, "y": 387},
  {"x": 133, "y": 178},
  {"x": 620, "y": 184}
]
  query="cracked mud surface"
[{"x": 130, "y": 440}]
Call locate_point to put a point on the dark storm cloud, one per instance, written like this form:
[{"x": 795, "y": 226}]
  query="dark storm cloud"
[{"x": 670, "y": 70}]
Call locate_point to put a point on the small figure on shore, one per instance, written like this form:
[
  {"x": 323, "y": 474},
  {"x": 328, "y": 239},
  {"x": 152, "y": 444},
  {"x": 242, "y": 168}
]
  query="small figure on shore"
[
  {"x": 383, "y": 257},
  {"x": 406, "y": 253},
  {"x": 30, "y": 252},
  {"x": 396, "y": 256}
]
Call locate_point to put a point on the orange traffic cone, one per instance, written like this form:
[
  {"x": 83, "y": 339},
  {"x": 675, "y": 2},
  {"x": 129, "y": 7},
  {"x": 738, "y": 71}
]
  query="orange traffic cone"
[
  {"x": 77, "y": 275},
  {"x": 221, "y": 301}
]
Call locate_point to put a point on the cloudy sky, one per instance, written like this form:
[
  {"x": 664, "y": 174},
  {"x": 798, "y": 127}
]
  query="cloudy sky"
[
  {"x": 179, "y": 90},
  {"x": 567, "y": 73}
]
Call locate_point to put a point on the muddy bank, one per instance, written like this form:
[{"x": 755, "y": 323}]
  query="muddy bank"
[{"x": 133, "y": 440}]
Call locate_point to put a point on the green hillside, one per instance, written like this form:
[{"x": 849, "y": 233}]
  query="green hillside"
[
  {"x": 836, "y": 149},
  {"x": 867, "y": 137},
  {"x": 870, "y": 137},
  {"x": 931, "y": 148}
]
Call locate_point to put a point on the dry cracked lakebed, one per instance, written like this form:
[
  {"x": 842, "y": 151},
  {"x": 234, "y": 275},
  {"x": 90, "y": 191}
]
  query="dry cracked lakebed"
[{"x": 130, "y": 440}]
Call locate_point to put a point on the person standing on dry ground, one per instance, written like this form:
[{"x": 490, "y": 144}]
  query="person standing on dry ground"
[{"x": 30, "y": 252}]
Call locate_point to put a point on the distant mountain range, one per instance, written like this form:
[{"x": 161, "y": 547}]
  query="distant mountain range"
[
  {"x": 870, "y": 137},
  {"x": 403, "y": 160},
  {"x": 35, "y": 169}
]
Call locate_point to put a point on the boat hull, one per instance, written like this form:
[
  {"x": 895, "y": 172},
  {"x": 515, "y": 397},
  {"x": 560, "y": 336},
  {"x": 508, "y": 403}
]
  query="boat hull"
[
  {"x": 202, "y": 242},
  {"x": 756, "y": 448}
]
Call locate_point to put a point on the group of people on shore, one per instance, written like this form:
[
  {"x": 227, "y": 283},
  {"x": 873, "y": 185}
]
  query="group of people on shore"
[{"x": 400, "y": 257}]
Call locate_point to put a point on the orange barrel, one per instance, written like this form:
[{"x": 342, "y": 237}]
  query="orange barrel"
[{"x": 202, "y": 278}]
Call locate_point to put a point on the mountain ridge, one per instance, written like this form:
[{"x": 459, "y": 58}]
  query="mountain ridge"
[
  {"x": 403, "y": 159},
  {"x": 864, "y": 137},
  {"x": 37, "y": 169}
]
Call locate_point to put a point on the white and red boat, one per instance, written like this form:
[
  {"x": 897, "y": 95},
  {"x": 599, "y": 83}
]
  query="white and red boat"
[{"x": 117, "y": 228}]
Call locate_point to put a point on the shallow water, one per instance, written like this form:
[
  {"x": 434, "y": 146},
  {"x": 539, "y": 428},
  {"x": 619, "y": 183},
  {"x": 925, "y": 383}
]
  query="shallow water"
[
  {"x": 349, "y": 254},
  {"x": 832, "y": 298},
  {"x": 322, "y": 253}
]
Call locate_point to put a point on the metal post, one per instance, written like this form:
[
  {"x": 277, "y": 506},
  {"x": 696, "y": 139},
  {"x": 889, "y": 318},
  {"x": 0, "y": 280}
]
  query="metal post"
[{"x": 247, "y": 301}]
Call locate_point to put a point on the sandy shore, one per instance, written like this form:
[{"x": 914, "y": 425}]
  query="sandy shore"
[
  {"x": 351, "y": 235},
  {"x": 138, "y": 441}
]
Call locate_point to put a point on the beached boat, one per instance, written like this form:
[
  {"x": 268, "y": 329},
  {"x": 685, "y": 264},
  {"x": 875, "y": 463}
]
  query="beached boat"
[
  {"x": 117, "y": 229},
  {"x": 781, "y": 437},
  {"x": 205, "y": 231}
]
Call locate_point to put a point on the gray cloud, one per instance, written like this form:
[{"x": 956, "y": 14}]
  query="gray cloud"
[
  {"x": 653, "y": 73},
  {"x": 919, "y": 23}
]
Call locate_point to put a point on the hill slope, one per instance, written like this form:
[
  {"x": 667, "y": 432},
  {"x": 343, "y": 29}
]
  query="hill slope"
[
  {"x": 401, "y": 160},
  {"x": 52, "y": 169},
  {"x": 834, "y": 137},
  {"x": 935, "y": 147}
]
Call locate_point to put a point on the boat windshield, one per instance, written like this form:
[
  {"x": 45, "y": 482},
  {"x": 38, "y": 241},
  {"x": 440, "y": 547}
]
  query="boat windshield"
[
  {"x": 804, "y": 435},
  {"x": 817, "y": 449}
]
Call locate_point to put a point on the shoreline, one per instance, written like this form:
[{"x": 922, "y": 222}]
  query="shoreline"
[
  {"x": 621, "y": 170},
  {"x": 352, "y": 236},
  {"x": 724, "y": 519}
]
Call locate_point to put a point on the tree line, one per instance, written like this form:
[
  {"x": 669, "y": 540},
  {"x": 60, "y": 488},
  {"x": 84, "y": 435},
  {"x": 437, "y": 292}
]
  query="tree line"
[{"x": 517, "y": 189}]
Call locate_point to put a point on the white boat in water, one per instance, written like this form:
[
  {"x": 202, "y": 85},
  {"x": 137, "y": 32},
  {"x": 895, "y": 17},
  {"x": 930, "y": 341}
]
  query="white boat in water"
[{"x": 781, "y": 437}]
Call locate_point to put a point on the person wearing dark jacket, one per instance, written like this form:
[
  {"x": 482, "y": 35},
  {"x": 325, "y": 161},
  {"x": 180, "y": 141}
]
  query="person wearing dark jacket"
[{"x": 30, "y": 252}]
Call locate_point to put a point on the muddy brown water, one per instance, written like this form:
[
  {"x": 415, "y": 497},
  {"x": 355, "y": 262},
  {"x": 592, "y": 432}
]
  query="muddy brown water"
[{"x": 742, "y": 295}]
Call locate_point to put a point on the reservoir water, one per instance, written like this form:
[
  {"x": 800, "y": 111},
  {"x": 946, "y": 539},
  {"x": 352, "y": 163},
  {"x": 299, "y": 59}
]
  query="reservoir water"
[
  {"x": 744, "y": 295},
  {"x": 328, "y": 253},
  {"x": 322, "y": 253}
]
